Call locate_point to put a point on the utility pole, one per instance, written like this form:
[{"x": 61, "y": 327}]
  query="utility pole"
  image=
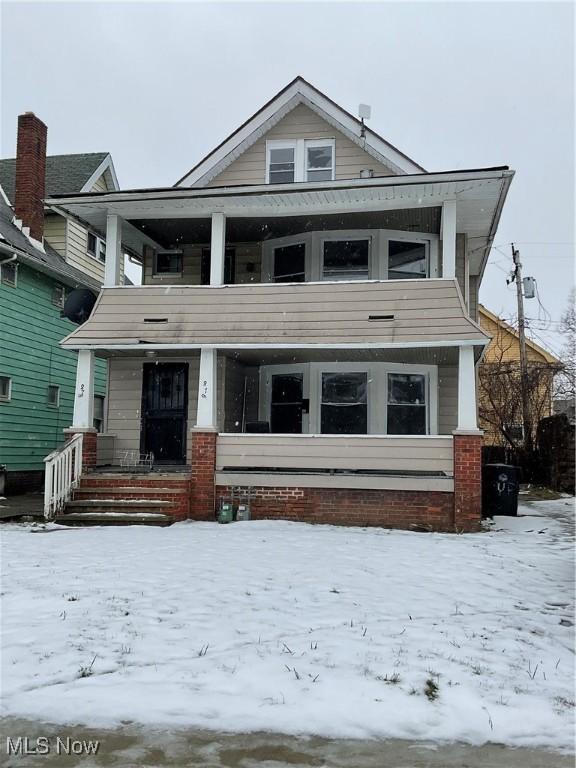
[{"x": 526, "y": 415}]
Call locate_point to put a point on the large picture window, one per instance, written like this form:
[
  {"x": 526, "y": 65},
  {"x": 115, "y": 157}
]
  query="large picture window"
[
  {"x": 345, "y": 259},
  {"x": 406, "y": 260},
  {"x": 344, "y": 406}
]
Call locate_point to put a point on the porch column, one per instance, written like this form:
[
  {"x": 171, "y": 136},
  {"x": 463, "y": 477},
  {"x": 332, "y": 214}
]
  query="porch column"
[
  {"x": 207, "y": 388},
  {"x": 466, "y": 389},
  {"x": 467, "y": 449},
  {"x": 84, "y": 394},
  {"x": 448, "y": 234},
  {"x": 83, "y": 419},
  {"x": 113, "y": 264},
  {"x": 217, "y": 249},
  {"x": 204, "y": 441}
]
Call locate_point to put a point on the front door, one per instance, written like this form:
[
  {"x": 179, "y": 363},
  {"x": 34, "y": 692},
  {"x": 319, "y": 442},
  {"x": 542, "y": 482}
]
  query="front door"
[
  {"x": 164, "y": 409},
  {"x": 286, "y": 403}
]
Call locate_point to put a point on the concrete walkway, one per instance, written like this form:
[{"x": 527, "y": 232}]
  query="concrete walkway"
[{"x": 131, "y": 747}]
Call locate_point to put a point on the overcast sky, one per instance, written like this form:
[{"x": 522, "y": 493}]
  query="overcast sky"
[{"x": 454, "y": 85}]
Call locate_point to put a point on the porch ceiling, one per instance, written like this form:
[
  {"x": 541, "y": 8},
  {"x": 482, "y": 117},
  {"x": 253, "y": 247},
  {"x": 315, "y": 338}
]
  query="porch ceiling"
[
  {"x": 480, "y": 195},
  {"x": 424, "y": 356}
]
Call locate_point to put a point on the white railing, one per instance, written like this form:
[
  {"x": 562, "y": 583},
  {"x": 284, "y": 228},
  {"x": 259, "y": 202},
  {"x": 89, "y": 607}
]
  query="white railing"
[{"x": 63, "y": 468}]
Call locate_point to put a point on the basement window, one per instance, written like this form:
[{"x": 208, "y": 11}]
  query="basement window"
[
  {"x": 9, "y": 274},
  {"x": 53, "y": 395},
  {"x": 5, "y": 389}
]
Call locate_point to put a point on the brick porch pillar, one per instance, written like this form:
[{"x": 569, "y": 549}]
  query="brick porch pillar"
[
  {"x": 467, "y": 480},
  {"x": 203, "y": 461},
  {"x": 89, "y": 445}
]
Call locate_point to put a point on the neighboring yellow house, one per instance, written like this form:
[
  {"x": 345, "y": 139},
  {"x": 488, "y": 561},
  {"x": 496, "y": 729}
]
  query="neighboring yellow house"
[{"x": 500, "y": 406}]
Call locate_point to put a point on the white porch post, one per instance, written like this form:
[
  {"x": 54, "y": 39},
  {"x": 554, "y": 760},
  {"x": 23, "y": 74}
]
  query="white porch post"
[
  {"x": 207, "y": 389},
  {"x": 466, "y": 390},
  {"x": 112, "y": 267},
  {"x": 217, "y": 249},
  {"x": 84, "y": 393},
  {"x": 448, "y": 233}
]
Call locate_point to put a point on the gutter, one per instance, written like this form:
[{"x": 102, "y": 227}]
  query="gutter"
[{"x": 33, "y": 263}]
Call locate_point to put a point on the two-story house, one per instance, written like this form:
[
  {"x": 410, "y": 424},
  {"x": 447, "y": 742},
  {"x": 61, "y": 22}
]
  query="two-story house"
[
  {"x": 306, "y": 332},
  {"x": 43, "y": 256}
]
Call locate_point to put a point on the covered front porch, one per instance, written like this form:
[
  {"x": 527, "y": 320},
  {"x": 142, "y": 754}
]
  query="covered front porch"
[{"x": 366, "y": 417}]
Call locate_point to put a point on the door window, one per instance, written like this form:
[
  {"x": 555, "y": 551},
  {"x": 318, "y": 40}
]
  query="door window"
[
  {"x": 286, "y": 403},
  {"x": 344, "y": 406}
]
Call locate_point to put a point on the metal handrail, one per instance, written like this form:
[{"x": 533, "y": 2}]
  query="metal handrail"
[{"x": 63, "y": 468}]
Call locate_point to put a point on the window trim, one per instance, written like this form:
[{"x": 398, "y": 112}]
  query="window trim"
[
  {"x": 8, "y": 397},
  {"x": 56, "y": 387},
  {"x": 10, "y": 263},
  {"x": 377, "y": 406},
  {"x": 300, "y": 155}
]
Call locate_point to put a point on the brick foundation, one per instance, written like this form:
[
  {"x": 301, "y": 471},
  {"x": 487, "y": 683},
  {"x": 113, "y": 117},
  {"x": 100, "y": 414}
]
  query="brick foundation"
[
  {"x": 467, "y": 481},
  {"x": 203, "y": 463},
  {"x": 432, "y": 510}
]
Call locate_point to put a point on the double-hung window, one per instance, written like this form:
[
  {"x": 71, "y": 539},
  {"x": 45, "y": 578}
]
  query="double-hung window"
[
  {"x": 96, "y": 247},
  {"x": 300, "y": 160},
  {"x": 407, "y": 404},
  {"x": 344, "y": 403}
]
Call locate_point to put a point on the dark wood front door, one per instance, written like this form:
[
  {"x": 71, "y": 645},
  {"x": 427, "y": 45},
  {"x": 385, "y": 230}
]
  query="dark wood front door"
[{"x": 164, "y": 409}]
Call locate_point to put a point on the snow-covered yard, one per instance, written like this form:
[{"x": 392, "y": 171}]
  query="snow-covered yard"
[{"x": 296, "y": 628}]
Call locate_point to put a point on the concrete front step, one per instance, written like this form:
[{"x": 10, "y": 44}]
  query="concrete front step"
[
  {"x": 114, "y": 518},
  {"x": 122, "y": 506},
  {"x": 127, "y": 490}
]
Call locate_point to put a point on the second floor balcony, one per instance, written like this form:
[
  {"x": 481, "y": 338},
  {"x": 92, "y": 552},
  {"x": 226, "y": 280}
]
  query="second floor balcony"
[{"x": 420, "y": 227}]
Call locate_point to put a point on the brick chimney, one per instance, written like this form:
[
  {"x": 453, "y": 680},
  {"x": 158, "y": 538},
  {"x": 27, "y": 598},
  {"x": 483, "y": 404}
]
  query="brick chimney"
[{"x": 31, "y": 173}]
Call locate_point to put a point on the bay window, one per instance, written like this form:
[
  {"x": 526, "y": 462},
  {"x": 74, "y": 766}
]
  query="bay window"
[
  {"x": 346, "y": 398},
  {"x": 354, "y": 254}
]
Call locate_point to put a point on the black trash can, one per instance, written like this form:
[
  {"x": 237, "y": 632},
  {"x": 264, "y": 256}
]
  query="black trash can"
[{"x": 500, "y": 486}]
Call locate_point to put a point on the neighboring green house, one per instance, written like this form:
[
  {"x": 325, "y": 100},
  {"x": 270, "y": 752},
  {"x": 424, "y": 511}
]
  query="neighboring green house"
[{"x": 43, "y": 256}]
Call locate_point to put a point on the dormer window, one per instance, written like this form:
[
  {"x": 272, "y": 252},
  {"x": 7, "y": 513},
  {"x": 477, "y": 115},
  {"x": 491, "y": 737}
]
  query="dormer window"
[{"x": 300, "y": 160}]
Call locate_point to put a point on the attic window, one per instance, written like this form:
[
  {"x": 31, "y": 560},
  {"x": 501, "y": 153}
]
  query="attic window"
[{"x": 300, "y": 160}]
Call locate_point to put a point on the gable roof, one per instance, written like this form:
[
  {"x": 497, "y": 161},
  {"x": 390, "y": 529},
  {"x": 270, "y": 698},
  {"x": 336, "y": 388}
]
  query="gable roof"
[
  {"x": 45, "y": 259},
  {"x": 64, "y": 173},
  {"x": 299, "y": 91},
  {"x": 548, "y": 357}
]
